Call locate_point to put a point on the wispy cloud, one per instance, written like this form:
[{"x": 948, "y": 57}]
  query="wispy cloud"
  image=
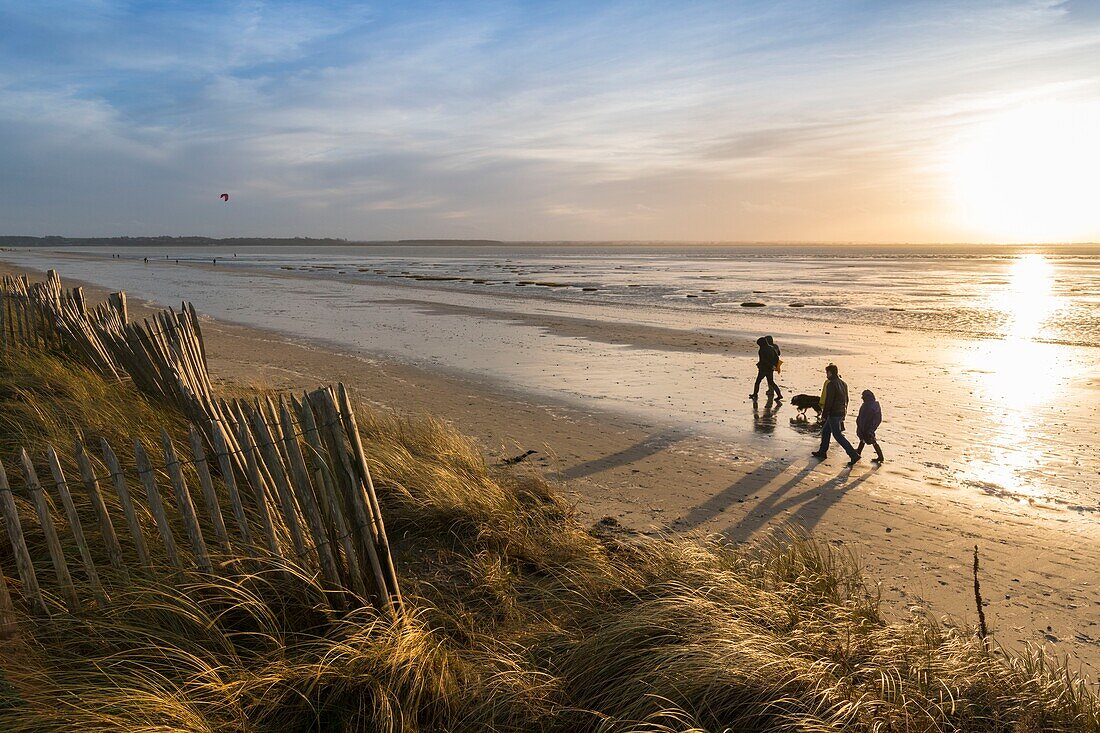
[{"x": 698, "y": 120}]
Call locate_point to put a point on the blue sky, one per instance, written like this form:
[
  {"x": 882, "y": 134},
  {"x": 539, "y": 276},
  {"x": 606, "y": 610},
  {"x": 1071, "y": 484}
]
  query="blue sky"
[{"x": 817, "y": 121}]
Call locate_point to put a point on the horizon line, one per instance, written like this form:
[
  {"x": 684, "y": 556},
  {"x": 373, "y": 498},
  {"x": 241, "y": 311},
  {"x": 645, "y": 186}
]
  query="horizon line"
[{"x": 342, "y": 241}]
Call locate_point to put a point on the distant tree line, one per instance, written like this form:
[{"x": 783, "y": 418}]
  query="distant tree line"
[
  {"x": 162, "y": 241},
  {"x": 166, "y": 241}
]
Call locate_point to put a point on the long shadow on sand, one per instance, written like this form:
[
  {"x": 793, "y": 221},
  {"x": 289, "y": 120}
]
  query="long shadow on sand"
[
  {"x": 712, "y": 507},
  {"x": 653, "y": 444},
  {"x": 809, "y": 505}
]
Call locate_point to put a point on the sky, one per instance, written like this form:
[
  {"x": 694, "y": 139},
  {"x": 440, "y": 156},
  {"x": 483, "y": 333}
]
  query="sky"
[{"x": 813, "y": 121}]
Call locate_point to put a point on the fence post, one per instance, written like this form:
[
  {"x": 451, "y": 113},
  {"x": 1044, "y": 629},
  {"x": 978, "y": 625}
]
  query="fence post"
[
  {"x": 304, "y": 491},
  {"x": 103, "y": 517},
  {"x": 334, "y": 435},
  {"x": 123, "y": 492},
  {"x": 42, "y": 506},
  {"x": 8, "y": 627},
  {"x": 368, "y": 485},
  {"x": 118, "y": 300},
  {"x": 262, "y": 503},
  {"x": 265, "y": 442},
  {"x": 325, "y": 480},
  {"x": 184, "y": 505},
  {"x": 156, "y": 505},
  {"x": 213, "y": 507},
  {"x": 221, "y": 450},
  {"x": 23, "y": 562},
  {"x": 75, "y": 525}
]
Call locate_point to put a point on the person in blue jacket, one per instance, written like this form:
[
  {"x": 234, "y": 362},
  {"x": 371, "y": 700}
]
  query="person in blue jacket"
[{"x": 867, "y": 422}]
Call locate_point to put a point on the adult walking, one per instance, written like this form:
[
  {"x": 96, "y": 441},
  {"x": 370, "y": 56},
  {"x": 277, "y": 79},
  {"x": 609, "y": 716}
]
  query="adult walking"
[
  {"x": 834, "y": 406},
  {"x": 765, "y": 366}
]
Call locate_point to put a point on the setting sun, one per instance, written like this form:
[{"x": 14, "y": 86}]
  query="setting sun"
[{"x": 1030, "y": 175}]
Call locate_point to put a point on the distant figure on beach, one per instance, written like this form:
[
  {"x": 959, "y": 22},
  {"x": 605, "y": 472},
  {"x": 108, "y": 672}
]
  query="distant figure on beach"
[
  {"x": 834, "y": 406},
  {"x": 147, "y": 260},
  {"x": 766, "y": 363},
  {"x": 867, "y": 422}
]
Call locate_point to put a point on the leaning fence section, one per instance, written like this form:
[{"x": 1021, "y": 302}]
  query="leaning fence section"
[
  {"x": 305, "y": 497},
  {"x": 163, "y": 355},
  {"x": 44, "y": 315},
  {"x": 284, "y": 476}
]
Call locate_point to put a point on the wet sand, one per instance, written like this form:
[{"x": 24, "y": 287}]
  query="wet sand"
[{"x": 912, "y": 533}]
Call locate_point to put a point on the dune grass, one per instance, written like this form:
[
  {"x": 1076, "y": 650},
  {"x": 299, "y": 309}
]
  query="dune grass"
[{"x": 521, "y": 618}]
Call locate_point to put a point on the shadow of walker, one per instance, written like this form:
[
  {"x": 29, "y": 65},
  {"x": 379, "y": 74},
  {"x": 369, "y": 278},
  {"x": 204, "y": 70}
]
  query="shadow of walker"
[
  {"x": 762, "y": 475},
  {"x": 651, "y": 445},
  {"x": 807, "y": 506}
]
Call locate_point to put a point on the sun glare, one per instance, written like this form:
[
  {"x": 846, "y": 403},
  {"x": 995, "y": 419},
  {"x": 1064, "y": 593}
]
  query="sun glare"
[
  {"x": 1019, "y": 364},
  {"x": 1027, "y": 302},
  {"x": 1031, "y": 175},
  {"x": 1029, "y": 299}
]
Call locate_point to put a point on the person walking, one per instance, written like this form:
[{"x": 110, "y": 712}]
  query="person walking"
[
  {"x": 768, "y": 358},
  {"x": 834, "y": 406},
  {"x": 778, "y": 361},
  {"x": 867, "y": 422}
]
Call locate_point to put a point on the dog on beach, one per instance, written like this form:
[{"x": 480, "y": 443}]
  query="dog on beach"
[{"x": 806, "y": 402}]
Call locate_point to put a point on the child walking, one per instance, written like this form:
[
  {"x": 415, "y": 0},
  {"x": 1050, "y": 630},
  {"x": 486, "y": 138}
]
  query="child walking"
[{"x": 867, "y": 422}]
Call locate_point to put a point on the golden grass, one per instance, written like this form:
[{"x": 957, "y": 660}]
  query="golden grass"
[{"x": 522, "y": 619}]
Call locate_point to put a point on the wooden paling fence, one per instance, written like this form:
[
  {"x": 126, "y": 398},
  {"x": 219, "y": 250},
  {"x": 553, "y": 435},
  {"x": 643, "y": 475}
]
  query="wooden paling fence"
[
  {"x": 163, "y": 356},
  {"x": 46, "y": 316},
  {"x": 306, "y": 498},
  {"x": 293, "y": 471}
]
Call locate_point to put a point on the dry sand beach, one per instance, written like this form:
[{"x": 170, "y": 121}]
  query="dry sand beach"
[{"x": 913, "y": 522}]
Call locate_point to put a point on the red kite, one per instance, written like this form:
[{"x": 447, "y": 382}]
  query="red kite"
[{"x": 224, "y": 197}]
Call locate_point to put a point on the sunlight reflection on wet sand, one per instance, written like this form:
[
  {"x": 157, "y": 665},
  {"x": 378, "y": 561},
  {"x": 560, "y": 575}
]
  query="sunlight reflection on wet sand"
[{"x": 1021, "y": 375}]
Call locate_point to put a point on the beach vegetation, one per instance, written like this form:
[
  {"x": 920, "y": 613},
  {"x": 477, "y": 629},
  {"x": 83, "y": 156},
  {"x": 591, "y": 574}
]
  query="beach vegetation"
[{"x": 521, "y": 616}]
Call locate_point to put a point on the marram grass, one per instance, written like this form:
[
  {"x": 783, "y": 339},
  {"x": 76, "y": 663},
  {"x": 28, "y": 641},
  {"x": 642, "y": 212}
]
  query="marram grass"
[{"x": 521, "y": 619}]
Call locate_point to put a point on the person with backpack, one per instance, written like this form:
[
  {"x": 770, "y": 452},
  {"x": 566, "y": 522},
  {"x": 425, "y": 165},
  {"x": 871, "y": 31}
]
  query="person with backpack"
[{"x": 768, "y": 360}]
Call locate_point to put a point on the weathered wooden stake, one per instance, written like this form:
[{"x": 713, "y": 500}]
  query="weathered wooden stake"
[
  {"x": 75, "y": 525},
  {"x": 42, "y": 505},
  {"x": 23, "y": 564},
  {"x": 118, "y": 300},
  {"x": 266, "y": 444},
  {"x": 8, "y": 627},
  {"x": 306, "y": 499},
  {"x": 210, "y": 496},
  {"x": 103, "y": 517},
  {"x": 334, "y": 434},
  {"x": 217, "y": 435},
  {"x": 184, "y": 505},
  {"x": 156, "y": 505},
  {"x": 352, "y": 429},
  {"x": 128, "y": 510},
  {"x": 259, "y": 491},
  {"x": 326, "y": 482}
]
